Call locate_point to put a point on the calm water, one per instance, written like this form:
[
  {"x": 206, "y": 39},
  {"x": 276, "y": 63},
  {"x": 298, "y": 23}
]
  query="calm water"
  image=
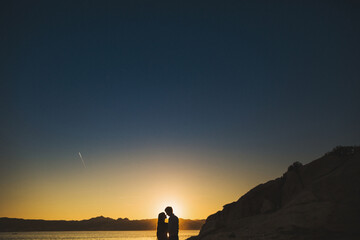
[{"x": 92, "y": 235}]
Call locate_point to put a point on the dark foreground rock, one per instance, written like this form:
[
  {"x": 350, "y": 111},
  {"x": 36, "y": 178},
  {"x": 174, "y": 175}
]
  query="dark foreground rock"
[{"x": 320, "y": 200}]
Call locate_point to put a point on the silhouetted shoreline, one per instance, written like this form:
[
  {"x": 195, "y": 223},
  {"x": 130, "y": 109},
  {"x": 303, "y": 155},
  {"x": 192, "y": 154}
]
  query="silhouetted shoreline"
[{"x": 94, "y": 224}]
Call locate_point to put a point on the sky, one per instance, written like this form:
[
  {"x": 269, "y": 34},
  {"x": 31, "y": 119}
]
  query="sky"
[{"x": 182, "y": 103}]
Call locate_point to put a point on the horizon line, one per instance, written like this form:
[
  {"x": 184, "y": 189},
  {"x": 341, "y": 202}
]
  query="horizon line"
[{"x": 101, "y": 216}]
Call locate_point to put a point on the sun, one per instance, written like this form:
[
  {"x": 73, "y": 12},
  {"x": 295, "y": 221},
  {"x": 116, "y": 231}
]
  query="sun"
[{"x": 177, "y": 207}]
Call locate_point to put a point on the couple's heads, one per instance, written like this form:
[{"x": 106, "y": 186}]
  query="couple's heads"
[{"x": 169, "y": 212}]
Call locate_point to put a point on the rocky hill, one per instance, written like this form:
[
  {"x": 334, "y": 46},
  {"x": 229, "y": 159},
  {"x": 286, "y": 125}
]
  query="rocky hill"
[{"x": 319, "y": 200}]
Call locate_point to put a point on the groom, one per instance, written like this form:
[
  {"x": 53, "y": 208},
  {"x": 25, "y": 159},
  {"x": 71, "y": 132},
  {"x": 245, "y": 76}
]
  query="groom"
[{"x": 173, "y": 224}]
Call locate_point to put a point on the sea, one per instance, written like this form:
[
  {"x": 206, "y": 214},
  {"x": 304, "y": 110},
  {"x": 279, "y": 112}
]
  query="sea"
[{"x": 91, "y": 235}]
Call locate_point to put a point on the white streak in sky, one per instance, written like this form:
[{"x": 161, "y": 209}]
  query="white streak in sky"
[{"x": 82, "y": 160}]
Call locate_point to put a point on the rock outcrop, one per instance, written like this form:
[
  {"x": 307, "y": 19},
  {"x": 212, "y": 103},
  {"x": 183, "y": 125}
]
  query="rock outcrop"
[{"x": 320, "y": 200}]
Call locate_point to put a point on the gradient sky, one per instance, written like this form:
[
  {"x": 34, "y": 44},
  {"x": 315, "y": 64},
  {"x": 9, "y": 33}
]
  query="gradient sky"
[{"x": 182, "y": 103}]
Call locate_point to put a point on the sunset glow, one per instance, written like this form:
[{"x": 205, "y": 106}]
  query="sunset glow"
[
  {"x": 122, "y": 108},
  {"x": 112, "y": 187}
]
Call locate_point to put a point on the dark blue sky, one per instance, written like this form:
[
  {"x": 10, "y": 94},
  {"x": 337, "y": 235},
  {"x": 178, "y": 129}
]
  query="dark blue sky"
[{"x": 279, "y": 79}]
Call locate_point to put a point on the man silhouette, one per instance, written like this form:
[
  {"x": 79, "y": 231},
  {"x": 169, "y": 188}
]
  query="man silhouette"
[{"x": 173, "y": 224}]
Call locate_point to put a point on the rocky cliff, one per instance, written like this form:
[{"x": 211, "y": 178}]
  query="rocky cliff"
[{"x": 319, "y": 200}]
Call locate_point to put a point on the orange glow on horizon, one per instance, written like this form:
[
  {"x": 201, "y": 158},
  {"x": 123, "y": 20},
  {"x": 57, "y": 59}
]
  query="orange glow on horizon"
[{"x": 138, "y": 189}]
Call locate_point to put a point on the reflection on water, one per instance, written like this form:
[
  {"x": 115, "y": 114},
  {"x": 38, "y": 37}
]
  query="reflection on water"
[{"x": 92, "y": 235}]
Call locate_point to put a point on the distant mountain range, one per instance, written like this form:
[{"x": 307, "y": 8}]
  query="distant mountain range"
[
  {"x": 319, "y": 200},
  {"x": 94, "y": 224}
]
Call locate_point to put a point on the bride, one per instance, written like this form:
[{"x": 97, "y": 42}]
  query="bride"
[{"x": 162, "y": 227}]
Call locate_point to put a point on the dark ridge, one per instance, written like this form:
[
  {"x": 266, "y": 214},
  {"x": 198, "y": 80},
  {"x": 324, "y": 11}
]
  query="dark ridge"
[
  {"x": 319, "y": 200},
  {"x": 94, "y": 224}
]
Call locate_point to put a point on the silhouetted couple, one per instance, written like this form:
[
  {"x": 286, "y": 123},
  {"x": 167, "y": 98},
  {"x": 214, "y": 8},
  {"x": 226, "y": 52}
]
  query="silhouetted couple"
[{"x": 172, "y": 227}]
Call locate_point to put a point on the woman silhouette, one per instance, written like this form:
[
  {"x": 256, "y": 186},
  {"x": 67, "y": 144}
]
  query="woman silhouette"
[{"x": 162, "y": 227}]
